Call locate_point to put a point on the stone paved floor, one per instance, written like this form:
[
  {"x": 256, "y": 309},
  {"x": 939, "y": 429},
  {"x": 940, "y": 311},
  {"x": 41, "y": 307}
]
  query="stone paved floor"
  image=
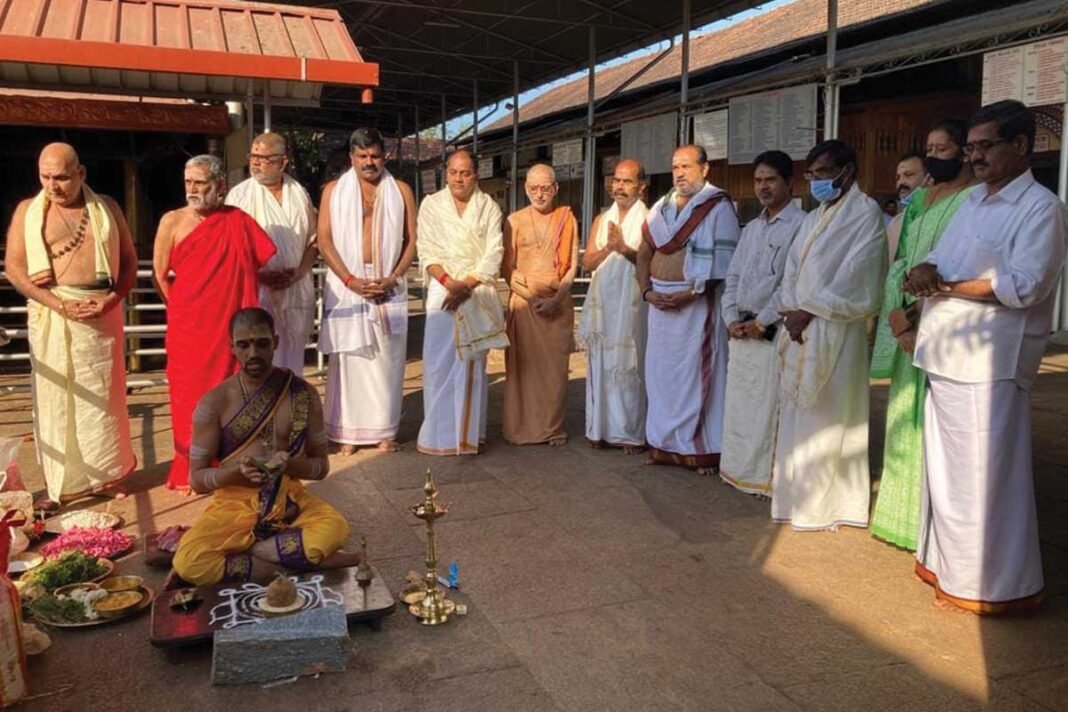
[{"x": 595, "y": 583}]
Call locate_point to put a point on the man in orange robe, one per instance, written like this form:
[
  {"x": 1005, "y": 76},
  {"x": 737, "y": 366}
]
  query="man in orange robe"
[
  {"x": 540, "y": 256},
  {"x": 215, "y": 252}
]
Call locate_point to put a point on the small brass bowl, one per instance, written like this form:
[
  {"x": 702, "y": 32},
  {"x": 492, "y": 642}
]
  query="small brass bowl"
[
  {"x": 116, "y": 605},
  {"x": 72, "y": 587},
  {"x": 413, "y": 594},
  {"x": 121, "y": 583}
]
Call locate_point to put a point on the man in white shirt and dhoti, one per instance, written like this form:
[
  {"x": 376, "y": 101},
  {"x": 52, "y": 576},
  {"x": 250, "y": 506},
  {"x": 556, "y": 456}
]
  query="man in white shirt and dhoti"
[
  {"x": 69, "y": 252},
  {"x": 689, "y": 238},
  {"x": 367, "y": 238},
  {"x": 751, "y": 304},
  {"x": 831, "y": 285},
  {"x": 283, "y": 209},
  {"x": 990, "y": 289},
  {"x": 613, "y": 321},
  {"x": 460, "y": 252}
]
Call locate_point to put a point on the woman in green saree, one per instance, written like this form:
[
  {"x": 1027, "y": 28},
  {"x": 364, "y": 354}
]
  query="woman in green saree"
[{"x": 897, "y": 507}]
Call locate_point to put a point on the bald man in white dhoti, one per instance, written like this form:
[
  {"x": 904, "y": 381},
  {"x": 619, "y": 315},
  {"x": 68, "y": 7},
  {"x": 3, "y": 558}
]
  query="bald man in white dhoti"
[
  {"x": 281, "y": 206},
  {"x": 460, "y": 251},
  {"x": 690, "y": 237},
  {"x": 367, "y": 239},
  {"x": 831, "y": 285},
  {"x": 612, "y": 324}
]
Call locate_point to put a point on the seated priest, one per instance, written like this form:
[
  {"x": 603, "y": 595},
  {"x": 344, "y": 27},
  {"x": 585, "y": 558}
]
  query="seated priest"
[{"x": 255, "y": 437}]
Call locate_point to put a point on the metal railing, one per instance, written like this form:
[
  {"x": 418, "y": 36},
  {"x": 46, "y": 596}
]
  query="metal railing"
[{"x": 145, "y": 299}]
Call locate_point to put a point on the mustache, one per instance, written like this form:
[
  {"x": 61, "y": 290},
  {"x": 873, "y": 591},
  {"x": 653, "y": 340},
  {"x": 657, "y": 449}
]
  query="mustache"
[
  {"x": 255, "y": 362},
  {"x": 982, "y": 164}
]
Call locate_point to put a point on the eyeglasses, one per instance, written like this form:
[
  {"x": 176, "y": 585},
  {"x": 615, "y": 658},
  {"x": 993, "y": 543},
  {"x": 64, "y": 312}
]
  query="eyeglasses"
[
  {"x": 982, "y": 146},
  {"x": 265, "y": 158},
  {"x": 541, "y": 189}
]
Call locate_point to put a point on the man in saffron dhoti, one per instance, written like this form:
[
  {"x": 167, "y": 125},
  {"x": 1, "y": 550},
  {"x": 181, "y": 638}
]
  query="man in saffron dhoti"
[
  {"x": 281, "y": 206},
  {"x": 540, "y": 259},
  {"x": 69, "y": 252},
  {"x": 255, "y": 437},
  {"x": 690, "y": 235},
  {"x": 990, "y": 289},
  {"x": 831, "y": 285},
  {"x": 612, "y": 324},
  {"x": 215, "y": 252},
  {"x": 896, "y": 518},
  {"x": 460, "y": 256},
  {"x": 367, "y": 239},
  {"x": 751, "y": 303}
]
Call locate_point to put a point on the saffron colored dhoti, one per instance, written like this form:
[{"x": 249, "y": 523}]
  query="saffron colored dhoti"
[{"x": 227, "y": 528}]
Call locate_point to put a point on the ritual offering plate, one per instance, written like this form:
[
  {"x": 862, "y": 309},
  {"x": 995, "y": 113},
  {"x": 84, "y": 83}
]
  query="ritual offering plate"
[
  {"x": 72, "y": 567},
  {"x": 96, "y": 607},
  {"x": 122, "y": 583},
  {"x": 119, "y": 604},
  {"x": 85, "y": 519},
  {"x": 25, "y": 561},
  {"x": 102, "y": 542},
  {"x": 413, "y": 595}
]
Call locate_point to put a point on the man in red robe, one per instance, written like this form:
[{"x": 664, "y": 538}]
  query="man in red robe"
[{"x": 215, "y": 252}]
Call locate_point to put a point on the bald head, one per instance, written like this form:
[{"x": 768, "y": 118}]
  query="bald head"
[
  {"x": 689, "y": 169},
  {"x": 541, "y": 187},
  {"x": 462, "y": 159},
  {"x": 267, "y": 161},
  {"x": 61, "y": 174},
  {"x": 275, "y": 142}
]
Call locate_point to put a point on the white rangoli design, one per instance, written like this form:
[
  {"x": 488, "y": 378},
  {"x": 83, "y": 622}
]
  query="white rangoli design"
[{"x": 242, "y": 605}]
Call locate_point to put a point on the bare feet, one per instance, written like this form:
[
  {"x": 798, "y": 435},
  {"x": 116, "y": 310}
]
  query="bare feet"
[
  {"x": 706, "y": 471},
  {"x": 346, "y": 450},
  {"x": 390, "y": 446},
  {"x": 558, "y": 441},
  {"x": 633, "y": 449},
  {"x": 649, "y": 460},
  {"x": 118, "y": 491},
  {"x": 340, "y": 559}
]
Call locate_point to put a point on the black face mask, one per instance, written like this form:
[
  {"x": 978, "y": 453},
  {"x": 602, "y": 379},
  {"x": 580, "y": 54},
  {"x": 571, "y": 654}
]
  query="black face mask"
[{"x": 942, "y": 170}]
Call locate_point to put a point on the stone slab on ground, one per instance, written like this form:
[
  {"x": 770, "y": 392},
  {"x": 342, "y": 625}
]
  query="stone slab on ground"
[{"x": 306, "y": 643}]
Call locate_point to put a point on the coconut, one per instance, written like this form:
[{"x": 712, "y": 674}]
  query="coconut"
[{"x": 281, "y": 592}]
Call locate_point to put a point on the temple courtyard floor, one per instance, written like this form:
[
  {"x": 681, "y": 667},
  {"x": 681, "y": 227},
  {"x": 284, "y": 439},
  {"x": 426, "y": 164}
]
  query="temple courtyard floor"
[{"x": 597, "y": 583}]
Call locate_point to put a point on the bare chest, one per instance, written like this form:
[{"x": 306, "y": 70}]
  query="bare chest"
[
  {"x": 70, "y": 240},
  {"x": 668, "y": 267},
  {"x": 270, "y": 434}
]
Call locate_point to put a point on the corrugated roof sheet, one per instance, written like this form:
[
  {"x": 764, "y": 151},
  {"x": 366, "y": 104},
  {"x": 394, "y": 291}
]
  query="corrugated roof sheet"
[{"x": 797, "y": 21}]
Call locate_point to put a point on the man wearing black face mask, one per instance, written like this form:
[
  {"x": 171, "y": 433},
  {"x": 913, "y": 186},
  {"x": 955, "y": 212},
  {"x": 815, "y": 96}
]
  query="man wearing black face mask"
[
  {"x": 897, "y": 511},
  {"x": 990, "y": 289}
]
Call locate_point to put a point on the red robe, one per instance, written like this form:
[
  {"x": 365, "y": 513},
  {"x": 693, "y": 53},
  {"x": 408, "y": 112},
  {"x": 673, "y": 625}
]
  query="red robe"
[{"x": 215, "y": 270}]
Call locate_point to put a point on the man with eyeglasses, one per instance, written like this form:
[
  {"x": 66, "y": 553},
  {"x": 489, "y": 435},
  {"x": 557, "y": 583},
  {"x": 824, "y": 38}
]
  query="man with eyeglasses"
[
  {"x": 989, "y": 289},
  {"x": 367, "y": 239},
  {"x": 283, "y": 209},
  {"x": 215, "y": 252},
  {"x": 540, "y": 259},
  {"x": 689, "y": 238},
  {"x": 612, "y": 324},
  {"x": 460, "y": 253},
  {"x": 831, "y": 285}
]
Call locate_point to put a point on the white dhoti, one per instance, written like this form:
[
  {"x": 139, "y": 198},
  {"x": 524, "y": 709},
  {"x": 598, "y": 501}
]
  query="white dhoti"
[
  {"x": 821, "y": 478},
  {"x": 291, "y": 227},
  {"x": 455, "y": 391},
  {"x": 81, "y": 426},
  {"x": 367, "y": 342},
  {"x": 612, "y": 330},
  {"x": 686, "y": 374},
  {"x": 978, "y": 528},
  {"x": 751, "y": 415},
  {"x": 363, "y": 395}
]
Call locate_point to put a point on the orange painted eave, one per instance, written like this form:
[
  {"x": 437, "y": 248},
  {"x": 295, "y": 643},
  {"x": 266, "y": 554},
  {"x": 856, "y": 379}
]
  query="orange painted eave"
[{"x": 140, "y": 58}]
